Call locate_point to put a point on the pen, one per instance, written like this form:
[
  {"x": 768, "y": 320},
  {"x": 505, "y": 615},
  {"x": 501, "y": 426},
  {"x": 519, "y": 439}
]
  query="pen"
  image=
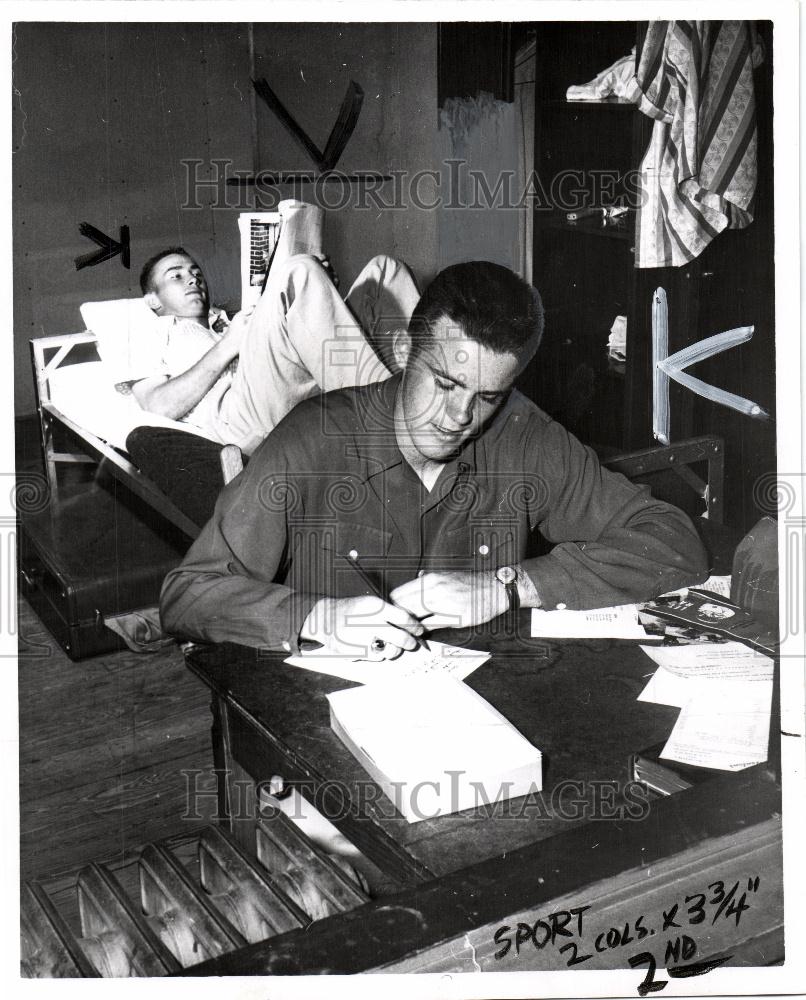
[{"x": 352, "y": 559}]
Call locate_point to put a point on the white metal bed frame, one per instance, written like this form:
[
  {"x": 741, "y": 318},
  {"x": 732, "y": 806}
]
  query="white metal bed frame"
[{"x": 47, "y": 355}]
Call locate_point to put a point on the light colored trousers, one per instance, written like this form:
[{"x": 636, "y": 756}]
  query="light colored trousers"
[{"x": 304, "y": 339}]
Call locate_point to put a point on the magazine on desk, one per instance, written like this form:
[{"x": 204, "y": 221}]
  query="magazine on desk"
[{"x": 707, "y": 611}]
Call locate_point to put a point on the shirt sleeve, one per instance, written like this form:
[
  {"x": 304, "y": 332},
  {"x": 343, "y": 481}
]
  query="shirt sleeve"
[
  {"x": 225, "y": 590},
  {"x": 614, "y": 543}
]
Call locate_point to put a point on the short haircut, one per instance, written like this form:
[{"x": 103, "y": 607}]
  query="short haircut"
[
  {"x": 490, "y": 303},
  {"x": 146, "y": 284}
]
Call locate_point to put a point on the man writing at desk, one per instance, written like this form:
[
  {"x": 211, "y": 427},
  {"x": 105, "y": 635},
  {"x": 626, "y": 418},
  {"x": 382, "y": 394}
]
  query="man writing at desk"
[{"x": 434, "y": 481}]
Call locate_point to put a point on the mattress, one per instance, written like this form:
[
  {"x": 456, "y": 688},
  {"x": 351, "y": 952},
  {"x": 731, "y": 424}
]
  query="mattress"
[{"x": 84, "y": 394}]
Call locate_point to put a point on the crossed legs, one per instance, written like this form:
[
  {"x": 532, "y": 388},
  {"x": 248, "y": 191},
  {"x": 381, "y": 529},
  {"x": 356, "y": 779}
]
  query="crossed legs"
[{"x": 304, "y": 339}]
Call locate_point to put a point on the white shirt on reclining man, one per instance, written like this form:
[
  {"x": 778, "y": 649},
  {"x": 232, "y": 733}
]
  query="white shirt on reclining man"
[{"x": 302, "y": 338}]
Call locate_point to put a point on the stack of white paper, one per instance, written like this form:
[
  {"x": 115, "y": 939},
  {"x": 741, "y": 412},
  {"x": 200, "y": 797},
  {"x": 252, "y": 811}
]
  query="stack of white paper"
[
  {"x": 434, "y": 745},
  {"x": 724, "y": 691}
]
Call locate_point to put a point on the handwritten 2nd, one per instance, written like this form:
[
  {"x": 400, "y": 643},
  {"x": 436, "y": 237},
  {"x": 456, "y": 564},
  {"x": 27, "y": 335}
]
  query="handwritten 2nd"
[{"x": 574, "y": 936}]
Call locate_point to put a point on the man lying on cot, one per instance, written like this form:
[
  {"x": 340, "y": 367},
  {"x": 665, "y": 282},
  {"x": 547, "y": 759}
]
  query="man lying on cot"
[{"x": 300, "y": 339}]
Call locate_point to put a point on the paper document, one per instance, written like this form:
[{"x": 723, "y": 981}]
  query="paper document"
[
  {"x": 712, "y": 661},
  {"x": 724, "y": 691},
  {"x": 620, "y": 622},
  {"x": 440, "y": 658},
  {"x": 715, "y": 584},
  {"x": 730, "y": 736}
]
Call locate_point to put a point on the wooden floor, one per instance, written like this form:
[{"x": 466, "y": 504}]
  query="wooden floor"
[{"x": 103, "y": 744}]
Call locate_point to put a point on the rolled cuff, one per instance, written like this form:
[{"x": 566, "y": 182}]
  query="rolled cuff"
[{"x": 555, "y": 586}]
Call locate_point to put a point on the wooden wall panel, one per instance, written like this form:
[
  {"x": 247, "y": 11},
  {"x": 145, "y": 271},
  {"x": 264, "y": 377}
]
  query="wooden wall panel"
[{"x": 102, "y": 135}]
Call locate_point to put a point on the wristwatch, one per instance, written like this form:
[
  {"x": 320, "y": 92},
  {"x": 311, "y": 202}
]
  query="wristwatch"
[{"x": 509, "y": 577}]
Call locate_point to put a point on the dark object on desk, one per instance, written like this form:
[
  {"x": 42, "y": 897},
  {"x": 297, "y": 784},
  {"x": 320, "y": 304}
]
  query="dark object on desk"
[
  {"x": 667, "y": 776},
  {"x": 710, "y": 612},
  {"x": 754, "y": 583},
  {"x": 87, "y": 556}
]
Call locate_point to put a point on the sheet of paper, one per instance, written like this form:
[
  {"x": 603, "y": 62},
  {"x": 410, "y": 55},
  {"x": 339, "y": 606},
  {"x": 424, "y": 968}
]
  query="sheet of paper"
[
  {"x": 440, "y": 658},
  {"x": 666, "y": 688},
  {"x": 689, "y": 672},
  {"x": 716, "y": 584},
  {"x": 620, "y": 622},
  {"x": 724, "y": 692},
  {"x": 712, "y": 661},
  {"x": 729, "y": 732}
]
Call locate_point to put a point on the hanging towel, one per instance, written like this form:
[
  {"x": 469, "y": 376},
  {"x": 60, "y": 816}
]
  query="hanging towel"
[{"x": 698, "y": 176}]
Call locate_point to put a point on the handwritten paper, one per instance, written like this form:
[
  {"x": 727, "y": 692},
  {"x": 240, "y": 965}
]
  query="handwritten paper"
[
  {"x": 724, "y": 692},
  {"x": 620, "y": 622},
  {"x": 440, "y": 658}
]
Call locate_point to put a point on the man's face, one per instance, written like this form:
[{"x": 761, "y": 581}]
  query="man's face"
[
  {"x": 179, "y": 288},
  {"x": 451, "y": 388}
]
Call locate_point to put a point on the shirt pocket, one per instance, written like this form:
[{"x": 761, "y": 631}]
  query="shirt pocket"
[
  {"x": 366, "y": 541},
  {"x": 485, "y": 546},
  {"x": 322, "y": 555}
]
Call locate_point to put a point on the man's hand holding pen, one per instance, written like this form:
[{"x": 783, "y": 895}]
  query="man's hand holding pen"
[
  {"x": 377, "y": 628},
  {"x": 366, "y": 627}
]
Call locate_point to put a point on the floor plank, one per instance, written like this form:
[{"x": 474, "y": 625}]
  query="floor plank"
[{"x": 103, "y": 744}]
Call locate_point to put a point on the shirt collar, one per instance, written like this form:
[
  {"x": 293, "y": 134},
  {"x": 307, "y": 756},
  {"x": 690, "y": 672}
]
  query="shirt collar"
[
  {"x": 377, "y": 442},
  {"x": 215, "y": 316}
]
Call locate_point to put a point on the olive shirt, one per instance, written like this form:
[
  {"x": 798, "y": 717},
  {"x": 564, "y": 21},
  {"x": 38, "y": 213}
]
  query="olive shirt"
[{"x": 330, "y": 479}]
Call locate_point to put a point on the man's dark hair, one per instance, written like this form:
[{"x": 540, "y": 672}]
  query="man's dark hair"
[
  {"x": 146, "y": 285},
  {"x": 490, "y": 303}
]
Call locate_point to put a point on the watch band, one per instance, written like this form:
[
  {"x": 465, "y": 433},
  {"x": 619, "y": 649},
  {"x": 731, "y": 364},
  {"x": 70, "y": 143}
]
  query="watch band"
[{"x": 509, "y": 578}]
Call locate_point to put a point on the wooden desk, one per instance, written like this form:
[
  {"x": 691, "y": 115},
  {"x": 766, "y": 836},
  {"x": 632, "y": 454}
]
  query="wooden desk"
[{"x": 466, "y": 874}]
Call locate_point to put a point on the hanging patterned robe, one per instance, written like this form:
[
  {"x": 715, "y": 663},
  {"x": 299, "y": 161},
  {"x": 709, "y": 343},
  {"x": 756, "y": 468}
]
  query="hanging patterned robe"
[{"x": 698, "y": 176}]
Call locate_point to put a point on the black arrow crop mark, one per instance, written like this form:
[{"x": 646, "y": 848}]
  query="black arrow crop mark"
[
  {"x": 340, "y": 134},
  {"x": 109, "y": 247}
]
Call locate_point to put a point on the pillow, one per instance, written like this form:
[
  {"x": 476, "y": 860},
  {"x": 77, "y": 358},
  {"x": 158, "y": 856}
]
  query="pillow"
[{"x": 130, "y": 337}]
